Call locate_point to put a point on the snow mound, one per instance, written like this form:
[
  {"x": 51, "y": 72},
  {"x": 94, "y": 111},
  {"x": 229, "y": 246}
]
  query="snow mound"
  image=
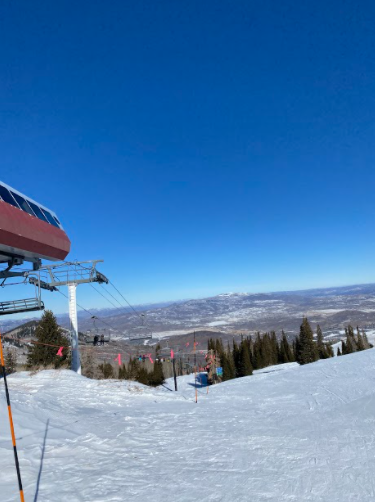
[{"x": 288, "y": 433}]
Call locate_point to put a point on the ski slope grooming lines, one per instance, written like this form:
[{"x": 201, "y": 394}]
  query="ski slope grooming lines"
[{"x": 288, "y": 432}]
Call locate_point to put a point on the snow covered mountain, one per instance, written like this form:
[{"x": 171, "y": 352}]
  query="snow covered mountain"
[
  {"x": 287, "y": 433},
  {"x": 332, "y": 308}
]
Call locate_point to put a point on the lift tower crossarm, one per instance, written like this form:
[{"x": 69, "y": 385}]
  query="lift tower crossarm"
[{"x": 80, "y": 272}]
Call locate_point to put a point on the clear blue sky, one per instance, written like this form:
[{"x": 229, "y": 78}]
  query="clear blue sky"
[{"x": 197, "y": 147}]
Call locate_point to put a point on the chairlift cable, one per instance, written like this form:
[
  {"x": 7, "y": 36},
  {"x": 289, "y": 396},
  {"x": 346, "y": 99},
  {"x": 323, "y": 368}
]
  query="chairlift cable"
[
  {"x": 126, "y": 309},
  {"x": 101, "y": 294},
  {"x": 121, "y": 308},
  {"x": 109, "y": 293},
  {"x": 121, "y": 305},
  {"x": 91, "y": 314},
  {"x": 141, "y": 316},
  {"x": 122, "y": 296}
]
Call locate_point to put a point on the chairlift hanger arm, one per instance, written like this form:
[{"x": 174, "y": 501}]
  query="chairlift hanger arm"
[
  {"x": 5, "y": 274},
  {"x": 42, "y": 284}
]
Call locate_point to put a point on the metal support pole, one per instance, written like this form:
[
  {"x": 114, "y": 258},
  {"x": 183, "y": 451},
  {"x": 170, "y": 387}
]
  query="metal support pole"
[
  {"x": 174, "y": 373},
  {"x": 76, "y": 363},
  {"x": 195, "y": 372},
  {"x": 22, "y": 498}
]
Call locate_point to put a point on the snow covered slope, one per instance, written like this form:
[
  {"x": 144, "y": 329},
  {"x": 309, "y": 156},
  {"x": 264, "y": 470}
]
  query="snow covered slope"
[{"x": 290, "y": 434}]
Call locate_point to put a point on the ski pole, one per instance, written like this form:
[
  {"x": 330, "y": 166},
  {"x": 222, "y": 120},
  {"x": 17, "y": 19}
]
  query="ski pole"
[{"x": 11, "y": 422}]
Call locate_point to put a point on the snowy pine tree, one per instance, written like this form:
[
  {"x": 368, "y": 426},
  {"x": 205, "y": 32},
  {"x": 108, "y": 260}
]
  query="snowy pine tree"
[
  {"x": 320, "y": 344},
  {"x": 245, "y": 367},
  {"x": 306, "y": 351},
  {"x": 49, "y": 338},
  {"x": 10, "y": 361},
  {"x": 88, "y": 364}
]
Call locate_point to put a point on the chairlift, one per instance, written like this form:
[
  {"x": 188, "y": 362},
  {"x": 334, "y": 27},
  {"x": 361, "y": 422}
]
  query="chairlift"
[
  {"x": 25, "y": 305},
  {"x": 141, "y": 336},
  {"x": 97, "y": 336}
]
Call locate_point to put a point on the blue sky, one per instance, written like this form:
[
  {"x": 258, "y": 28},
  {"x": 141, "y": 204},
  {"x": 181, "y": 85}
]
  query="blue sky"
[{"x": 196, "y": 147}]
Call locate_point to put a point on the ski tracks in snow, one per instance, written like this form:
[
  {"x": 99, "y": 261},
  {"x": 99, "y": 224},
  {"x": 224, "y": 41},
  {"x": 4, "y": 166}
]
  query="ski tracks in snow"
[{"x": 304, "y": 435}]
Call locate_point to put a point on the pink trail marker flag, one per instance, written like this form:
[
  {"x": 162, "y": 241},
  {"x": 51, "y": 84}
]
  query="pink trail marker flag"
[
  {"x": 59, "y": 352},
  {"x": 118, "y": 358},
  {"x": 172, "y": 354}
]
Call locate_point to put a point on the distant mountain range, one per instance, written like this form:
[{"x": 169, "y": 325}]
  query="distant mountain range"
[{"x": 332, "y": 308}]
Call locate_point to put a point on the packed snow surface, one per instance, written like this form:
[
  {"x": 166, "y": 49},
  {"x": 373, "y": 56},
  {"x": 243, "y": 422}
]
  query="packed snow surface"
[{"x": 288, "y": 433}]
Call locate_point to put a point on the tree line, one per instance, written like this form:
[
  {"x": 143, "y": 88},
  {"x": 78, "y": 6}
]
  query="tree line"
[
  {"x": 238, "y": 360},
  {"x": 265, "y": 350},
  {"x": 354, "y": 343}
]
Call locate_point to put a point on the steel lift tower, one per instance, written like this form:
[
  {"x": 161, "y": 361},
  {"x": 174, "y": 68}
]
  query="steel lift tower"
[{"x": 70, "y": 274}]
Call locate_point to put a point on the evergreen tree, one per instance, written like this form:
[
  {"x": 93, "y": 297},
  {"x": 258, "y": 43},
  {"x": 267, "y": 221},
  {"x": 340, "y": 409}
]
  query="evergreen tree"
[
  {"x": 133, "y": 369},
  {"x": 365, "y": 340},
  {"x": 285, "y": 351},
  {"x": 349, "y": 348},
  {"x": 219, "y": 347},
  {"x": 226, "y": 367},
  {"x": 328, "y": 350},
  {"x": 236, "y": 359},
  {"x": 351, "y": 345},
  {"x": 295, "y": 347},
  {"x": 10, "y": 361},
  {"x": 231, "y": 369},
  {"x": 360, "y": 342},
  {"x": 322, "y": 352},
  {"x": 88, "y": 364},
  {"x": 123, "y": 372},
  {"x": 106, "y": 370},
  {"x": 274, "y": 348},
  {"x": 258, "y": 356},
  {"x": 245, "y": 364},
  {"x": 49, "y": 338},
  {"x": 338, "y": 352},
  {"x": 144, "y": 377},
  {"x": 266, "y": 350},
  {"x": 282, "y": 355},
  {"x": 156, "y": 377},
  {"x": 306, "y": 351}
]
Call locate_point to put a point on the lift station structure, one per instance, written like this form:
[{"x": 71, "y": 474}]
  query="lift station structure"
[{"x": 30, "y": 232}]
